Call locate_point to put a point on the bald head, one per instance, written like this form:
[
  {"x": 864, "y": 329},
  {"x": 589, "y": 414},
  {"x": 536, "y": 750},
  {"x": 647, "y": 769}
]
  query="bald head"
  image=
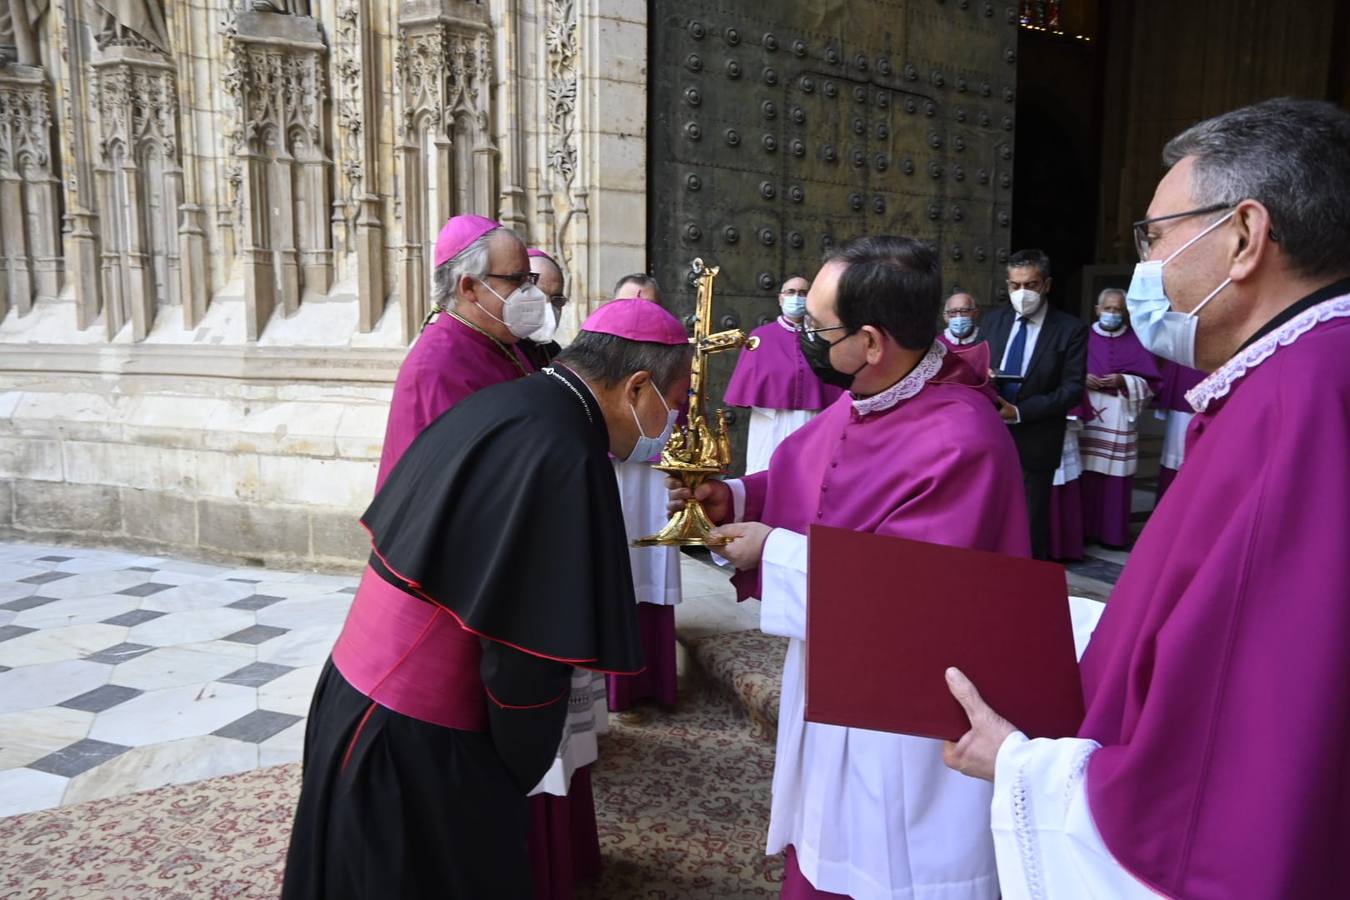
[{"x": 960, "y": 304}]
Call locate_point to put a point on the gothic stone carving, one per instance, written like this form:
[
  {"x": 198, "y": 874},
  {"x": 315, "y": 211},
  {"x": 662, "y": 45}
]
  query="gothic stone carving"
[
  {"x": 140, "y": 185},
  {"x": 29, "y": 210},
  {"x": 19, "y": 32},
  {"x": 356, "y": 216},
  {"x": 276, "y": 77},
  {"x": 132, "y": 23},
  {"x": 444, "y": 62}
]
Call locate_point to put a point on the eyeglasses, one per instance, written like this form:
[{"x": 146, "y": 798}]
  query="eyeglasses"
[
  {"x": 810, "y": 333},
  {"x": 965, "y": 311},
  {"x": 1145, "y": 237},
  {"x": 516, "y": 278},
  {"x": 801, "y": 293}
]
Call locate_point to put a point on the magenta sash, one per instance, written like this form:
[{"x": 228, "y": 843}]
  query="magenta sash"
[{"x": 412, "y": 657}]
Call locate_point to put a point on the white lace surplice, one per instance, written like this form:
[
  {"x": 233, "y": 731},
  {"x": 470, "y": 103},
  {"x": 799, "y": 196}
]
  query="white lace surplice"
[
  {"x": 1109, "y": 442},
  {"x": 1044, "y": 838},
  {"x": 587, "y": 718}
]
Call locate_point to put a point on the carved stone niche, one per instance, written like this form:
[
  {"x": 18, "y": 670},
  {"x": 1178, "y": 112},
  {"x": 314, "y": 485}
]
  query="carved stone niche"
[
  {"x": 140, "y": 184},
  {"x": 277, "y": 78},
  {"x": 30, "y": 215},
  {"x": 448, "y": 161}
]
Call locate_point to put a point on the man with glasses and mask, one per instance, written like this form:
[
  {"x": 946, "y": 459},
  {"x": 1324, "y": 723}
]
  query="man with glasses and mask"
[
  {"x": 775, "y": 381},
  {"x": 1041, "y": 354},
  {"x": 916, "y": 450},
  {"x": 498, "y": 566},
  {"x": 1212, "y": 760},
  {"x": 551, "y": 283},
  {"x": 961, "y": 316},
  {"x": 485, "y": 300}
]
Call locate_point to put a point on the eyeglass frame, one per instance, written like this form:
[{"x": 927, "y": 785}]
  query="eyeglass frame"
[
  {"x": 1143, "y": 243},
  {"x": 516, "y": 278},
  {"x": 810, "y": 333}
]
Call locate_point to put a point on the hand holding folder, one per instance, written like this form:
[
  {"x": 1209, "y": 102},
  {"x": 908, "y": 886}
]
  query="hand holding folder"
[{"x": 887, "y": 616}]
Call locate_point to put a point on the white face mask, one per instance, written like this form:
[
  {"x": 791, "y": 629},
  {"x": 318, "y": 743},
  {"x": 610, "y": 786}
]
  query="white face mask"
[
  {"x": 647, "y": 447},
  {"x": 793, "y": 305},
  {"x": 1024, "y": 301},
  {"x": 525, "y": 313},
  {"x": 1162, "y": 330}
]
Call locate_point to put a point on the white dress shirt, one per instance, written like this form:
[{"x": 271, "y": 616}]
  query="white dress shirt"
[{"x": 1033, "y": 327}]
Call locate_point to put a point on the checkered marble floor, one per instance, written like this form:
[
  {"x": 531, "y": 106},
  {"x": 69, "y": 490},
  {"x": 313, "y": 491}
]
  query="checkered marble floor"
[{"x": 121, "y": 672}]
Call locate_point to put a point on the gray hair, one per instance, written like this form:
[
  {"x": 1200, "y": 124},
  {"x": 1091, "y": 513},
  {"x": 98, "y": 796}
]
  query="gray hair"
[
  {"x": 1291, "y": 156},
  {"x": 610, "y": 359},
  {"x": 1101, "y": 298},
  {"x": 471, "y": 261}
]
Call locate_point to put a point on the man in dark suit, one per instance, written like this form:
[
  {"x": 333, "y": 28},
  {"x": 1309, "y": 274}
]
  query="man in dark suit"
[{"x": 1047, "y": 350}]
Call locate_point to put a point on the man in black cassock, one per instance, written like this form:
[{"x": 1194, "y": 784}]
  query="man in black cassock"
[{"x": 499, "y": 562}]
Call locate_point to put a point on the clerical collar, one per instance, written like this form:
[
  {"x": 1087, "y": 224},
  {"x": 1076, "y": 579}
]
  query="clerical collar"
[
  {"x": 972, "y": 338},
  {"x": 906, "y": 387},
  {"x": 1120, "y": 332},
  {"x": 788, "y": 324},
  {"x": 1335, "y": 289}
]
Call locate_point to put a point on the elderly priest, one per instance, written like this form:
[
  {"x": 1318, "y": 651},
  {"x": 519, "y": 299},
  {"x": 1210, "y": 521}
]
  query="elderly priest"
[
  {"x": 499, "y": 564},
  {"x": 1212, "y": 762}
]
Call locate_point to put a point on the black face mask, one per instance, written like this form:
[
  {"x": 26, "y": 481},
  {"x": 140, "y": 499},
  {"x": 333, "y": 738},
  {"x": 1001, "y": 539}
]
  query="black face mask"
[{"x": 817, "y": 354}]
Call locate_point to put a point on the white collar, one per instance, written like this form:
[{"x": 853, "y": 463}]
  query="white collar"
[
  {"x": 1097, "y": 327},
  {"x": 906, "y": 387},
  {"x": 786, "y": 323},
  {"x": 971, "y": 338},
  {"x": 1035, "y": 318},
  {"x": 1222, "y": 380}
]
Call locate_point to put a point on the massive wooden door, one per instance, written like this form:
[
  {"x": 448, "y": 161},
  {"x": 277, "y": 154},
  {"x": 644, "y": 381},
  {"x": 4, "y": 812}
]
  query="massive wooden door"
[{"x": 780, "y": 127}]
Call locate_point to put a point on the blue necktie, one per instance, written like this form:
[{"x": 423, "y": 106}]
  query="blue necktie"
[{"x": 1013, "y": 365}]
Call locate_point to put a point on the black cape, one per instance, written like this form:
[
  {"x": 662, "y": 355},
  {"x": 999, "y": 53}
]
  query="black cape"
[{"x": 505, "y": 512}]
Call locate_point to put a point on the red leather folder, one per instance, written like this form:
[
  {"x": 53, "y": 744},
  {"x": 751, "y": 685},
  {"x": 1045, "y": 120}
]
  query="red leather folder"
[{"x": 887, "y": 616}]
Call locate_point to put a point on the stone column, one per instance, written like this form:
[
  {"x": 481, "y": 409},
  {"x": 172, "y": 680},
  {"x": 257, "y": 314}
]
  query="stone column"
[
  {"x": 444, "y": 66},
  {"x": 30, "y": 216},
  {"x": 277, "y": 80},
  {"x": 83, "y": 253},
  {"x": 140, "y": 180},
  {"x": 357, "y": 216}
]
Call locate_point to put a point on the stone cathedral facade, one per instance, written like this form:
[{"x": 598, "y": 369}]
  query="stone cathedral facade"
[{"x": 216, "y": 223}]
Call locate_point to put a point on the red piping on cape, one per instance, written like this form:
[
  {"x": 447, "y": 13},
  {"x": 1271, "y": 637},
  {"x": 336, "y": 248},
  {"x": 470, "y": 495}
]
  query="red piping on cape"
[
  {"x": 494, "y": 699},
  {"x": 417, "y": 589}
]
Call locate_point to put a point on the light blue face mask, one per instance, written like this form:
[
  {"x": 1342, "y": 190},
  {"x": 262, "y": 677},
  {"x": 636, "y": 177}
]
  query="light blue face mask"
[
  {"x": 1111, "y": 321},
  {"x": 647, "y": 447},
  {"x": 1162, "y": 330},
  {"x": 793, "y": 305},
  {"x": 960, "y": 326}
]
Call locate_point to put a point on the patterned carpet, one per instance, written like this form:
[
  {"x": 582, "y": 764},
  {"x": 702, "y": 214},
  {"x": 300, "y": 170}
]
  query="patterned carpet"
[
  {"x": 682, "y": 801},
  {"x": 748, "y": 667}
]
